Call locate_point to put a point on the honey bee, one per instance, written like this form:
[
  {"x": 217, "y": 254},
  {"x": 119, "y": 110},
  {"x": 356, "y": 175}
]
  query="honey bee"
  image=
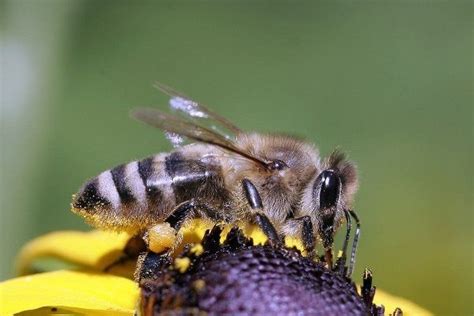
[{"x": 226, "y": 175}]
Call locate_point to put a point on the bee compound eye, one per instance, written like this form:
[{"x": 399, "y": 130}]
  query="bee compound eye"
[{"x": 330, "y": 189}]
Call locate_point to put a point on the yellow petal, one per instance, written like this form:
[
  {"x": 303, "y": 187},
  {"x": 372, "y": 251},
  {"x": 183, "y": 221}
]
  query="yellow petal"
[
  {"x": 98, "y": 249},
  {"x": 391, "y": 302},
  {"x": 89, "y": 293},
  {"x": 95, "y": 249}
]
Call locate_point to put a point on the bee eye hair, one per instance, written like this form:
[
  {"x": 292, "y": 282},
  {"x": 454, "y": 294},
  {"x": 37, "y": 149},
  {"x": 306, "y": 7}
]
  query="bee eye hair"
[{"x": 330, "y": 188}]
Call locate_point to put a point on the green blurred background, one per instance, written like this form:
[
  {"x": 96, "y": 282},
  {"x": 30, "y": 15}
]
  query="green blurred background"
[{"x": 389, "y": 82}]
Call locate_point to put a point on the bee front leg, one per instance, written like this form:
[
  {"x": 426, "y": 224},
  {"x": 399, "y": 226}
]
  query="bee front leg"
[
  {"x": 307, "y": 235},
  {"x": 326, "y": 232},
  {"x": 255, "y": 202}
]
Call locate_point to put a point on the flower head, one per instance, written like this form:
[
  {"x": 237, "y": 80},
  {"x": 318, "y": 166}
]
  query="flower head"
[{"x": 207, "y": 277}]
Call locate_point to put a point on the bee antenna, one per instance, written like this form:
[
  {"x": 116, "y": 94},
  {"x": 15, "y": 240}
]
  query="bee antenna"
[
  {"x": 341, "y": 262},
  {"x": 354, "y": 244}
]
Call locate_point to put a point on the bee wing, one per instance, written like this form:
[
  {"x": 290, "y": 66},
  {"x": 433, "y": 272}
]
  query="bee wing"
[
  {"x": 180, "y": 102},
  {"x": 182, "y": 127}
]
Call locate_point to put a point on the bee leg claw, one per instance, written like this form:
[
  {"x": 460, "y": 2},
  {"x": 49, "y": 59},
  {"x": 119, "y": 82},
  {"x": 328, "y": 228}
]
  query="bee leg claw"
[{"x": 255, "y": 202}]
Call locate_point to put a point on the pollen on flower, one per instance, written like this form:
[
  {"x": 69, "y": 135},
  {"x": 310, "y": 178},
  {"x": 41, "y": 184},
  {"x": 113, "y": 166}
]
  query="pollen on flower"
[
  {"x": 197, "y": 249},
  {"x": 182, "y": 264}
]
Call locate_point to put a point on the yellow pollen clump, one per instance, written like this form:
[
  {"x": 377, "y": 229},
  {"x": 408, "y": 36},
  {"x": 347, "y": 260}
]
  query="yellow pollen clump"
[
  {"x": 182, "y": 264},
  {"x": 161, "y": 237},
  {"x": 197, "y": 249}
]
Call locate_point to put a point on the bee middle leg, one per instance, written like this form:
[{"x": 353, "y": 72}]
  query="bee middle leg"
[{"x": 255, "y": 202}]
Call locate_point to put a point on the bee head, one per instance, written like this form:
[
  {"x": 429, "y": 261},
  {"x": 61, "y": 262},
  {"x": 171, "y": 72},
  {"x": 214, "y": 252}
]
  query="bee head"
[{"x": 332, "y": 192}]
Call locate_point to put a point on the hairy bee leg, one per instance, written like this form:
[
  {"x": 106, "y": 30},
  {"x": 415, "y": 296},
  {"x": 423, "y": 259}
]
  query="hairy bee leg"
[
  {"x": 162, "y": 239},
  {"x": 255, "y": 202},
  {"x": 341, "y": 261},
  {"x": 354, "y": 244},
  {"x": 180, "y": 214},
  {"x": 307, "y": 236},
  {"x": 150, "y": 265}
]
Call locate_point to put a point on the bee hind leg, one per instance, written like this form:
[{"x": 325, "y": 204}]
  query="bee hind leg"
[
  {"x": 159, "y": 240},
  {"x": 182, "y": 212},
  {"x": 162, "y": 240},
  {"x": 255, "y": 202},
  {"x": 164, "y": 236},
  {"x": 150, "y": 265}
]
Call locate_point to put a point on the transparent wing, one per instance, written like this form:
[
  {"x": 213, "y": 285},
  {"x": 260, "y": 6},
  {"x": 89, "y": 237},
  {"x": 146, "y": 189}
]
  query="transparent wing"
[
  {"x": 178, "y": 126},
  {"x": 180, "y": 102}
]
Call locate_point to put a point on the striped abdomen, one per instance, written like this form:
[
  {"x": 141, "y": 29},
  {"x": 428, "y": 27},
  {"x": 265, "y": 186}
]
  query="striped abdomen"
[{"x": 136, "y": 195}]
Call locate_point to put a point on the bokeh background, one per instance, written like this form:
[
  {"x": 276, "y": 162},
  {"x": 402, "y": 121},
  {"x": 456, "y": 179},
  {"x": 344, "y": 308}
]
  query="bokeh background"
[{"x": 391, "y": 83}]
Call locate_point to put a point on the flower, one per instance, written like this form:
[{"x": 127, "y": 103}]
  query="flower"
[{"x": 93, "y": 289}]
